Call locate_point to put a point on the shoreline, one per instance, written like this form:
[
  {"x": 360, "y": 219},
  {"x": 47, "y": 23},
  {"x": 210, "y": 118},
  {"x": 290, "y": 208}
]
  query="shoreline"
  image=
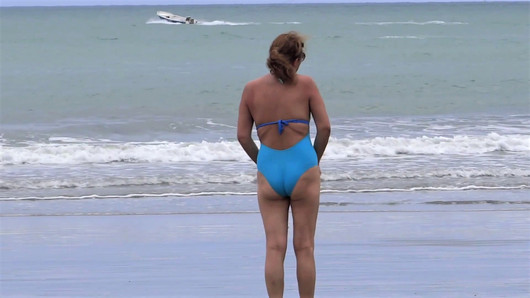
[
  {"x": 415, "y": 201},
  {"x": 395, "y": 251}
]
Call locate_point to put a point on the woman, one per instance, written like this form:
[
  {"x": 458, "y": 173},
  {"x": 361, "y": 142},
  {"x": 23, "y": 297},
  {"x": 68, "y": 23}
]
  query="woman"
[{"x": 281, "y": 104}]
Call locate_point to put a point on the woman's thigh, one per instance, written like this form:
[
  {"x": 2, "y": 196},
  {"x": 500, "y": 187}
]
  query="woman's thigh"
[
  {"x": 305, "y": 202},
  {"x": 274, "y": 212}
]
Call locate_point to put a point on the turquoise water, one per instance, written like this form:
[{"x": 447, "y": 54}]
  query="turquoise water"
[
  {"x": 391, "y": 59},
  {"x": 112, "y": 101}
]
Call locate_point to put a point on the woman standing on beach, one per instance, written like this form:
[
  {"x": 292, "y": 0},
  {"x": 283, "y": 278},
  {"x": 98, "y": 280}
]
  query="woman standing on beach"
[{"x": 281, "y": 104}]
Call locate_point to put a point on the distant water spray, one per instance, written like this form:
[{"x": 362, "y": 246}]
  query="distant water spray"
[
  {"x": 202, "y": 23},
  {"x": 218, "y": 23}
]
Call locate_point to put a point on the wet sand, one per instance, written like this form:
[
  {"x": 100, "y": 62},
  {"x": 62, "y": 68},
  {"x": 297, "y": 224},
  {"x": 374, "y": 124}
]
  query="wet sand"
[{"x": 448, "y": 251}]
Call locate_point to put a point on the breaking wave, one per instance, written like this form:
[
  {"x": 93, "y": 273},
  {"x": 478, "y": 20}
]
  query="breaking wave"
[
  {"x": 70, "y": 151},
  {"x": 460, "y": 144}
]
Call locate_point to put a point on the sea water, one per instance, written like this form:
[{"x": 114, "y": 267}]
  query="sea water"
[{"x": 112, "y": 102}]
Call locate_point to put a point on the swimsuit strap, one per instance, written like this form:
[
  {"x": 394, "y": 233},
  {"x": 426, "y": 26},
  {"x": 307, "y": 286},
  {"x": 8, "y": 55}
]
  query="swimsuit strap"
[{"x": 283, "y": 123}]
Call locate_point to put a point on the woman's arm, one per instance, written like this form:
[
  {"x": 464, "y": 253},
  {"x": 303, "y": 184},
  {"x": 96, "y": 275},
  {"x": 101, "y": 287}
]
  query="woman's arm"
[
  {"x": 318, "y": 110},
  {"x": 244, "y": 126}
]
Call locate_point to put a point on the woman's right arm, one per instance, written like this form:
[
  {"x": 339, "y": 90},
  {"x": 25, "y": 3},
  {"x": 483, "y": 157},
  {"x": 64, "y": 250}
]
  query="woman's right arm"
[
  {"x": 244, "y": 126},
  {"x": 320, "y": 116}
]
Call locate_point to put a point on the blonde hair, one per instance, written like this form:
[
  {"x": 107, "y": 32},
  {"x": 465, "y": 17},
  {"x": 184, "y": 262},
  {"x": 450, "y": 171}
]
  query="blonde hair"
[{"x": 284, "y": 51}]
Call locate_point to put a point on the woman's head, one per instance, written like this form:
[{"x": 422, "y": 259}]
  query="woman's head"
[{"x": 284, "y": 52}]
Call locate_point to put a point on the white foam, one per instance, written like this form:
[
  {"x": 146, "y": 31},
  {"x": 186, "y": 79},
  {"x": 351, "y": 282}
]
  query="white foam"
[
  {"x": 149, "y": 152},
  {"x": 233, "y": 193},
  {"x": 201, "y": 23},
  {"x": 160, "y": 21},
  {"x": 146, "y": 180},
  {"x": 460, "y": 144},
  {"x": 241, "y": 176},
  {"x": 210, "y": 122},
  {"x": 135, "y": 195},
  {"x": 63, "y": 150},
  {"x": 225, "y": 23},
  {"x": 286, "y": 23},
  {"x": 470, "y": 173},
  {"x": 427, "y": 188},
  {"x": 435, "y": 22},
  {"x": 76, "y": 140},
  {"x": 401, "y": 37}
]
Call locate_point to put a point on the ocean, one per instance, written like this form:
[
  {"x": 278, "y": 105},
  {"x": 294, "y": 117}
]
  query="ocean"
[{"x": 110, "y": 102}]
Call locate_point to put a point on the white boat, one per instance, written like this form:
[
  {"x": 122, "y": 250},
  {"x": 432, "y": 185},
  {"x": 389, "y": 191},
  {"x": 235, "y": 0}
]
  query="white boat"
[{"x": 175, "y": 18}]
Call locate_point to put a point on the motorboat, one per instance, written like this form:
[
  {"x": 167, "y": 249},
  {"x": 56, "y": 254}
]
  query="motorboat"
[{"x": 175, "y": 18}]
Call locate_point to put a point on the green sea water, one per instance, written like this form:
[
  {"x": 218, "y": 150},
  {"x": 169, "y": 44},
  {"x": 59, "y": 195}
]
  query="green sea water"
[
  {"x": 379, "y": 59},
  {"x": 111, "y": 100}
]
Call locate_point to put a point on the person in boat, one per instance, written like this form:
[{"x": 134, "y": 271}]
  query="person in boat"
[{"x": 281, "y": 104}]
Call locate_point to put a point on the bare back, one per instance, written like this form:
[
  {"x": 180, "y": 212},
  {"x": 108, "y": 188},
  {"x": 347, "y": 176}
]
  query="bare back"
[
  {"x": 267, "y": 100},
  {"x": 272, "y": 101}
]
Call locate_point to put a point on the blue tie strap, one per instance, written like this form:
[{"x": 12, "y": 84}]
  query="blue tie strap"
[{"x": 283, "y": 123}]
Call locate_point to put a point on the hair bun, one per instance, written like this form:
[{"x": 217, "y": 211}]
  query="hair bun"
[{"x": 284, "y": 50}]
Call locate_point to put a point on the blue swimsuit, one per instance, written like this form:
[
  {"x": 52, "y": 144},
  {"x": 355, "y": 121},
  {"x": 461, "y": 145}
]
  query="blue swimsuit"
[{"x": 283, "y": 168}]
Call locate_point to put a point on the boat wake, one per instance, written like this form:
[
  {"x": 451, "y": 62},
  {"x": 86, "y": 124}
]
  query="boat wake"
[
  {"x": 202, "y": 23},
  {"x": 217, "y": 23},
  {"x": 225, "y": 23},
  {"x": 390, "y": 23}
]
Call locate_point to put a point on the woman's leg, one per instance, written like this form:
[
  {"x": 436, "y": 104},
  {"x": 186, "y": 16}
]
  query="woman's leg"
[
  {"x": 305, "y": 201},
  {"x": 275, "y": 214}
]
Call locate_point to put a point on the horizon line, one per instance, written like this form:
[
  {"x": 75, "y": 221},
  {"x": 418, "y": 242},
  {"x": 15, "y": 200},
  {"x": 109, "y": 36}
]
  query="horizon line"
[{"x": 266, "y": 3}]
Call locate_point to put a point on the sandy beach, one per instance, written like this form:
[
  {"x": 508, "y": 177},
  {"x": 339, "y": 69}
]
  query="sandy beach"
[{"x": 166, "y": 248}]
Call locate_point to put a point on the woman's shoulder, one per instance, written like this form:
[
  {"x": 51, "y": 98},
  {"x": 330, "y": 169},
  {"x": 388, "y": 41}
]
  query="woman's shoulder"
[
  {"x": 305, "y": 79},
  {"x": 306, "y": 82},
  {"x": 254, "y": 86},
  {"x": 258, "y": 81}
]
